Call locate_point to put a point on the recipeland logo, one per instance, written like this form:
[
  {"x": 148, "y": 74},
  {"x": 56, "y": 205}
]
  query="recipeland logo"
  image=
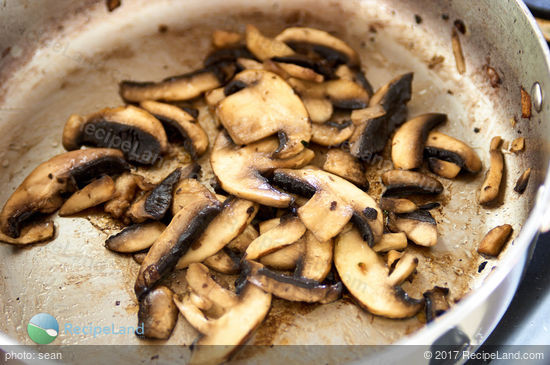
[{"x": 43, "y": 328}]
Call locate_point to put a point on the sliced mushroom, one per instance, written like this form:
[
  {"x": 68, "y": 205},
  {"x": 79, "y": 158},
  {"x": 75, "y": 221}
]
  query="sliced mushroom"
[
  {"x": 242, "y": 241},
  {"x": 134, "y": 131},
  {"x": 393, "y": 257},
  {"x": 323, "y": 43},
  {"x": 221, "y": 337},
  {"x": 355, "y": 75},
  {"x": 331, "y": 133},
  {"x": 42, "y": 190},
  {"x": 401, "y": 182},
  {"x": 263, "y": 47},
  {"x": 443, "y": 168},
  {"x": 420, "y": 227},
  {"x": 343, "y": 164},
  {"x": 34, "y": 233},
  {"x": 232, "y": 220},
  {"x": 248, "y": 115},
  {"x": 299, "y": 72},
  {"x": 366, "y": 277},
  {"x": 491, "y": 186},
  {"x": 334, "y": 201},
  {"x": 136, "y": 237},
  {"x": 184, "y": 229},
  {"x": 391, "y": 241},
  {"x": 409, "y": 140},
  {"x": 450, "y": 149},
  {"x": 126, "y": 187},
  {"x": 319, "y": 109},
  {"x": 179, "y": 125},
  {"x": 287, "y": 257},
  {"x": 240, "y": 170},
  {"x": 155, "y": 204},
  {"x": 494, "y": 241},
  {"x": 157, "y": 314},
  {"x": 186, "y": 192},
  {"x": 344, "y": 94},
  {"x": 394, "y": 94},
  {"x": 213, "y": 97},
  {"x": 95, "y": 193},
  {"x": 223, "y": 262},
  {"x": 224, "y": 38},
  {"x": 522, "y": 182},
  {"x": 436, "y": 302},
  {"x": 292, "y": 288},
  {"x": 176, "y": 88},
  {"x": 397, "y": 205},
  {"x": 317, "y": 258},
  {"x": 289, "y": 230},
  {"x": 404, "y": 268},
  {"x": 227, "y": 56}
]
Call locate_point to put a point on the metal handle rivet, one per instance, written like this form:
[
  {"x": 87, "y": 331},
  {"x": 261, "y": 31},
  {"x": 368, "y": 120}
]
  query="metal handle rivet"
[{"x": 536, "y": 95}]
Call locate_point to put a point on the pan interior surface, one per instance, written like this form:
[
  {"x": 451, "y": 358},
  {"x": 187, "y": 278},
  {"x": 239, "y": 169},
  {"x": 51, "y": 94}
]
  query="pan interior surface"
[{"x": 77, "y": 70}]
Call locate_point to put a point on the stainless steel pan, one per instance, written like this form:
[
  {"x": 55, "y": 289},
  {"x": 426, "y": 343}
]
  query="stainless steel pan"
[{"x": 61, "y": 57}]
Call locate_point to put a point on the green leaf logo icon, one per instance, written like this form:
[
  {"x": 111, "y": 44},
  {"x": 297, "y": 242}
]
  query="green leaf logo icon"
[{"x": 43, "y": 328}]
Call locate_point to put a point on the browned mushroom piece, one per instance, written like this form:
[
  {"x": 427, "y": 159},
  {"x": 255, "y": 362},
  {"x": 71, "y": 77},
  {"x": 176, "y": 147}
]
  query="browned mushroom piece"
[
  {"x": 522, "y": 182},
  {"x": 316, "y": 262},
  {"x": 409, "y": 140},
  {"x": 227, "y": 56},
  {"x": 518, "y": 145},
  {"x": 286, "y": 258},
  {"x": 134, "y": 131},
  {"x": 342, "y": 93},
  {"x": 95, "y": 193},
  {"x": 249, "y": 116},
  {"x": 355, "y": 75},
  {"x": 420, "y": 227},
  {"x": 293, "y": 70},
  {"x": 404, "y": 268},
  {"x": 242, "y": 241},
  {"x": 343, "y": 164},
  {"x": 240, "y": 169},
  {"x": 42, "y": 189},
  {"x": 446, "y": 169},
  {"x": 333, "y": 203},
  {"x": 263, "y": 47},
  {"x": 393, "y": 257},
  {"x": 491, "y": 185},
  {"x": 397, "y": 205},
  {"x": 287, "y": 231},
  {"x": 184, "y": 229},
  {"x": 291, "y": 288},
  {"x": 319, "y": 109},
  {"x": 331, "y": 133},
  {"x": 494, "y": 241},
  {"x": 525, "y": 104},
  {"x": 224, "y": 38},
  {"x": 33, "y": 233},
  {"x": 179, "y": 126},
  {"x": 391, "y": 241},
  {"x": 177, "y": 88},
  {"x": 366, "y": 277},
  {"x": 157, "y": 315},
  {"x": 402, "y": 182},
  {"x": 223, "y": 261},
  {"x": 436, "y": 302},
  {"x": 137, "y": 237},
  {"x": 126, "y": 187},
  {"x": 452, "y": 150}
]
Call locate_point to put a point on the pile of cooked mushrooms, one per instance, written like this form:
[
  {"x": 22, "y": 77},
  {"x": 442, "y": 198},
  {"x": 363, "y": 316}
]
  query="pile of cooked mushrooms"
[{"x": 289, "y": 213}]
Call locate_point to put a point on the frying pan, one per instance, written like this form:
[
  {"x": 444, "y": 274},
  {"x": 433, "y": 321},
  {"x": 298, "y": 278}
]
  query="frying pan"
[{"x": 61, "y": 57}]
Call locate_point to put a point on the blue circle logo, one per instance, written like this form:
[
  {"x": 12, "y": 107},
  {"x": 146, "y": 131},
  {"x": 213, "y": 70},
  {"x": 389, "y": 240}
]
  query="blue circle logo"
[{"x": 43, "y": 328}]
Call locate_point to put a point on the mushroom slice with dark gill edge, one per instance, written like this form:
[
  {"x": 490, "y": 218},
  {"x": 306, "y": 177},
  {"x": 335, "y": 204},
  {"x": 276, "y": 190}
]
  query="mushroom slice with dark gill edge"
[
  {"x": 522, "y": 182},
  {"x": 95, "y": 193},
  {"x": 184, "y": 229},
  {"x": 387, "y": 110},
  {"x": 221, "y": 337},
  {"x": 491, "y": 185},
  {"x": 405, "y": 267},
  {"x": 177, "y": 88},
  {"x": 227, "y": 55},
  {"x": 126, "y": 187},
  {"x": 366, "y": 277},
  {"x": 134, "y": 131},
  {"x": 444, "y": 147},
  {"x": 264, "y": 105},
  {"x": 241, "y": 242},
  {"x": 186, "y": 192},
  {"x": 409, "y": 140},
  {"x": 420, "y": 227},
  {"x": 397, "y": 205},
  {"x": 402, "y": 182},
  {"x": 393, "y": 257},
  {"x": 356, "y": 75},
  {"x": 322, "y": 43},
  {"x": 263, "y": 47},
  {"x": 33, "y": 233},
  {"x": 157, "y": 314},
  {"x": 343, "y": 164},
  {"x": 179, "y": 126},
  {"x": 240, "y": 169},
  {"x": 446, "y": 169},
  {"x": 223, "y": 261},
  {"x": 436, "y": 302},
  {"x": 236, "y": 214},
  {"x": 343, "y": 94},
  {"x": 43, "y": 189},
  {"x": 331, "y": 133},
  {"x": 391, "y": 241},
  {"x": 317, "y": 259},
  {"x": 286, "y": 258},
  {"x": 137, "y": 237},
  {"x": 333, "y": 202},
  {"x": 494, "y": 241},
  {"x": 294, "y": 289},
  {"x": 289, "y": 230}
]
